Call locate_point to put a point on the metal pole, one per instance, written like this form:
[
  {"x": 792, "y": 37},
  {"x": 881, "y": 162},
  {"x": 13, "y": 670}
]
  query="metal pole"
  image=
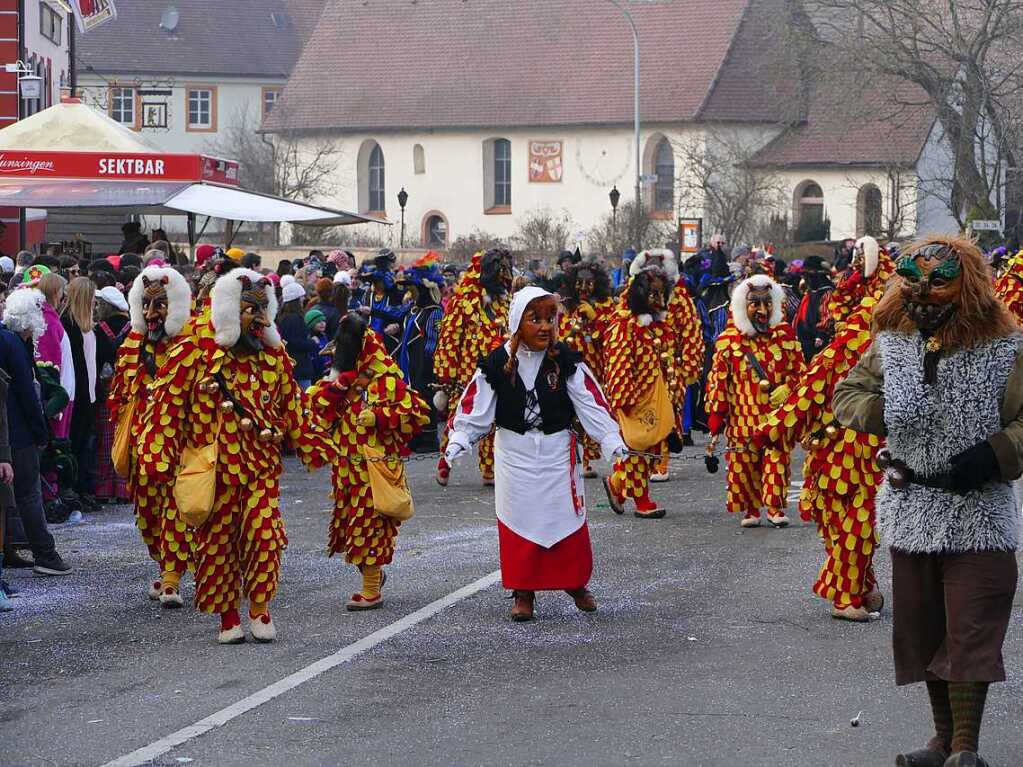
[{"x": 636, "y": 126}]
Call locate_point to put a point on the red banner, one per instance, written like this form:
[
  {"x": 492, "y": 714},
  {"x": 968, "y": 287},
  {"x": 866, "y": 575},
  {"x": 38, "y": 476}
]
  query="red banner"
[{"x": 117, "y": 166}]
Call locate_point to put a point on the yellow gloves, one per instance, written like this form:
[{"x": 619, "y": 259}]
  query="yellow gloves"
[
  {"x": 779, "y": 395},
  {"x": 586, "y": 310}
]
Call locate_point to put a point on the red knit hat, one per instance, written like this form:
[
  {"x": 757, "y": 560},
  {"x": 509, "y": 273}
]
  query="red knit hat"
[{"x": 203, "y": 253}]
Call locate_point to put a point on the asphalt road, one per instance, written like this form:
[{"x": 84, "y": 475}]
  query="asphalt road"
[{"x": 708, "y": 650}]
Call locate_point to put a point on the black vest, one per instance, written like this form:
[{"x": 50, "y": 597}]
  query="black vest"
[{"x": 556, "y": 408}]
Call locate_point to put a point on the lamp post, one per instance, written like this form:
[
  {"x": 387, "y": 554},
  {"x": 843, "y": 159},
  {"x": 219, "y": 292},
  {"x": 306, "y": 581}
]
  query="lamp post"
[
  {"x": 635, "y": 107},
  {"x": 615, "y": 196},
  {"x": 402, "y": 202}
]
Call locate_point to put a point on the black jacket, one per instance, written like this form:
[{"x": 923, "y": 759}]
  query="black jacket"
[
  {"x": 300, "y": 345},
  {"x": 25, "y": 422},
  {"x": 556, "y": 409}
]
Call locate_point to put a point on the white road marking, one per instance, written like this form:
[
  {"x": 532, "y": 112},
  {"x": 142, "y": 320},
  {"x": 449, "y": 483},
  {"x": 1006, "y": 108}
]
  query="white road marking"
[{"x": 160, "y": 747}]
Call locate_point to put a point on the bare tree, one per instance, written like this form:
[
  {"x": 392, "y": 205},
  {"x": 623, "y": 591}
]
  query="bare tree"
[
  {"x": 615, "y": 233},
  {"x": 898, "y": 189},
  {"x": 957, "y": 57},
  {"x": 737, "y": 199},
  {"x": 543, "y": 231},
  {"x": 285, "y": 165}
]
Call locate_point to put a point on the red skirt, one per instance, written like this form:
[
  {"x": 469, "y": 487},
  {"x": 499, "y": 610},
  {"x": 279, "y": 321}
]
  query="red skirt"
[{"x": 527, "y": 566}]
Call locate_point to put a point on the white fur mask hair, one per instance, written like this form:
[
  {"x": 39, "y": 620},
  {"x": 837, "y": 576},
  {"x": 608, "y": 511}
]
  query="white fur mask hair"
[
  {"x": 741, "y": 293},
  {"x": 225, "y": 308},
  {"x": 659, "y": 258},
  {"x": 871, "y": 250},
  {"x": 24, "y": 311},
  {"x": 179, "y": 300}
]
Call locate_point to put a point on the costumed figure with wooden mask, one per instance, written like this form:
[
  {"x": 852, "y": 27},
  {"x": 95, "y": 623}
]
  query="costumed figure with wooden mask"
[
  {"x": 217, "y": 414},
  {"x": 643, "y": 388},
  {"x": 370, "y": 414},
  {"x": 1009, "y": 287},
  {"x": 943, "y": 385},
  {"x": 588, "y": 308},
  {"x": 840, "y": 476},
  {"x": 533, "y": 388},
  {"x": 757, "y": 361},
  {"x": 159, "y": 303},
  {"x": 474, "y": 324}
]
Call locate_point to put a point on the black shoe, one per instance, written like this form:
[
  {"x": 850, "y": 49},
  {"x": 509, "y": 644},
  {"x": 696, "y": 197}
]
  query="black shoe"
[
  {"x": 8, "y": 589},
  {"x": 925, "y": 757},
  {"x": 687, "y": 439},
  {"x": 15, "y": 560},
  {"x": 51, "y": 564},
  {"x": 89, "y": 503},
  {"x": 57, "y": 512}
]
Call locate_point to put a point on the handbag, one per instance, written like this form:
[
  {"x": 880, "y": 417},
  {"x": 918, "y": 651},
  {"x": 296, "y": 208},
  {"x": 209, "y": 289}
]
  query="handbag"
[
  {"x": 389, "y": 485},
  {"x": 195, "y": 488},
  {"x": 649, "y": 421},
  {"x": 120, "y": 453}
]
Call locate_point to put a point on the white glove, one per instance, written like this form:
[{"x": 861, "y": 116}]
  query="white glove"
[{"x": 454, "y": 452}]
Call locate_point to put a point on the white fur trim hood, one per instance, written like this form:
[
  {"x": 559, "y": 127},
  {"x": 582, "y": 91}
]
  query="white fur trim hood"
[
  {"x": 659, "y": 258},
  {"x": 741, "y": 292},
  {"x": 179, "y": 300},
  {"x": 871, "y": 251},
  {"x": 226, "y": 300}
]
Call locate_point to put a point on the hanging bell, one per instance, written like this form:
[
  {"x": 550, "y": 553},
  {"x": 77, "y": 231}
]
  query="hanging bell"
[
  {"x": 278, "y": 437},
  {"x": 831, "y": 431},
  {"x": 266, "y": 435},
  {"x": 227, "y": 406},
  {"x": 764, "y": 384},
  {"x": 246, "y": 424},
  {"x": 212, "y": 387},
  {"x": 202, "y": 387}
]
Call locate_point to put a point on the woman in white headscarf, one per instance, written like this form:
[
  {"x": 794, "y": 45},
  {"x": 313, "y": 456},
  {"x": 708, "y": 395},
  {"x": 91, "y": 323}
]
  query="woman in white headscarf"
[{"x": 534, "y": 387}]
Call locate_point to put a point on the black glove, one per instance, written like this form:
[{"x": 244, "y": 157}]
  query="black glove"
[
  {"x": 713, "y": 463},
  {"x": 975, "y": 467},
  {"x": 675, "y": 444}
]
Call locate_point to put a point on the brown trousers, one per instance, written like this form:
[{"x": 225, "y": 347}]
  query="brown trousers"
[{"x": 951, "y": 612}]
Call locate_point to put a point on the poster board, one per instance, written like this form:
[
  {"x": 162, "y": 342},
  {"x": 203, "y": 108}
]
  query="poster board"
[{"x": 690, "y": 235}]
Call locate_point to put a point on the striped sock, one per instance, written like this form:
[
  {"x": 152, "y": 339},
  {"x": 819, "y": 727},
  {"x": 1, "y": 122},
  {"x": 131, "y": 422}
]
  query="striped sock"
[
  {"x": 942, "y": 710},
  {"x": 967, "y": 700}
]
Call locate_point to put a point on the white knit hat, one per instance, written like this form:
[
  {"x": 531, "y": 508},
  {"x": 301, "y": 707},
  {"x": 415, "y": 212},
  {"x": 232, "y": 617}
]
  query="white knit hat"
[{"x": 292, "y": 292}]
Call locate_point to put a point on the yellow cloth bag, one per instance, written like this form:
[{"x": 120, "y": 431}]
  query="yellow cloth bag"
[
  {"x": 120, "y": 453},
  {"x": 389, "y": 485},
  {"x": 649, "y": 421},
  {"x": 195, "y": 488}
]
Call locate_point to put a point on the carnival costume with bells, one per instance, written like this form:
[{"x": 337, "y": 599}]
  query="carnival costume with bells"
[
  {"x": 369, "y": 412},
  {"x": 532, "y": 395},
  {"x": 642, "y": 386},
  {"x": 589, "y": 309},
  {"x": 757, "y": 359},
  {"x": 840, "y": 476},
  {"x": 943, "y": 384},
  {"x": 230, "y": 398},
  {"x": 473, "y": 326},
  {"x": 1009, "y": 287},
  {"x": 159, "y": 302}
]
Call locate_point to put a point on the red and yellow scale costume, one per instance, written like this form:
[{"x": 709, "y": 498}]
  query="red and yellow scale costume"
[
  {"x": 756, "y": 479},
  {"x": 356, "y": 530},
  {"x": 238, "y": 549},
  {"x": 840, "y": 477},
  {"x": 688, "y": 330},
  {"x": 637, "y": 354},
  {"x": 1009, "y": 287},
  {"x": 167, "y": 538},
  {"x": 473, "y": 326},
  {"x": 588, "y": 337}
]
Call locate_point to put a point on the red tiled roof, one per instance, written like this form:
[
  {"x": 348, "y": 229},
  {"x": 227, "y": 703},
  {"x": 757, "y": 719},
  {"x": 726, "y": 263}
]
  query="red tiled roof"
[
  {"x": 889, "y": 126},
  {"x": 234, "y": 38},
  {"x": 387, "y": 64}
]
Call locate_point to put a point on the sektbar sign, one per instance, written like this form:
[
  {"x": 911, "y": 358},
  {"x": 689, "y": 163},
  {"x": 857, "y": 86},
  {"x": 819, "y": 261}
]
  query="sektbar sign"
[{"x": 118, "y": 166}]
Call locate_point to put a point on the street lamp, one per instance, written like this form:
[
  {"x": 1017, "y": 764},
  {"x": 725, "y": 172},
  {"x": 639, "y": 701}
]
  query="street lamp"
[
  {"x": 635, "y": 107},
  {"x": 402, "y": 202},
  {"x": 615, "y": 196}
]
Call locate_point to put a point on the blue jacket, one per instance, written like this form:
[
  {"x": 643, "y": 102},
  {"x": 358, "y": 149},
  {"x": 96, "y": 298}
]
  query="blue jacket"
[
  {"x": 25, "y": 420},
  {"x": 300, "y": 345}
]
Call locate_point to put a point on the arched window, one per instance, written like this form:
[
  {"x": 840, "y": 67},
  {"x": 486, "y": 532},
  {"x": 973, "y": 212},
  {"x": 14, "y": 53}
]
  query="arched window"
[
  {"x": 664, "y": 167},
  {"x": 435, "y": 230},
  {"x": 811, "y": 225},
  {"x": 869, "y": 211},
  {"x": 377, "y": 191},
  {"x": 418, "y": 159},
  {"x": 497, "y": 175}
]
